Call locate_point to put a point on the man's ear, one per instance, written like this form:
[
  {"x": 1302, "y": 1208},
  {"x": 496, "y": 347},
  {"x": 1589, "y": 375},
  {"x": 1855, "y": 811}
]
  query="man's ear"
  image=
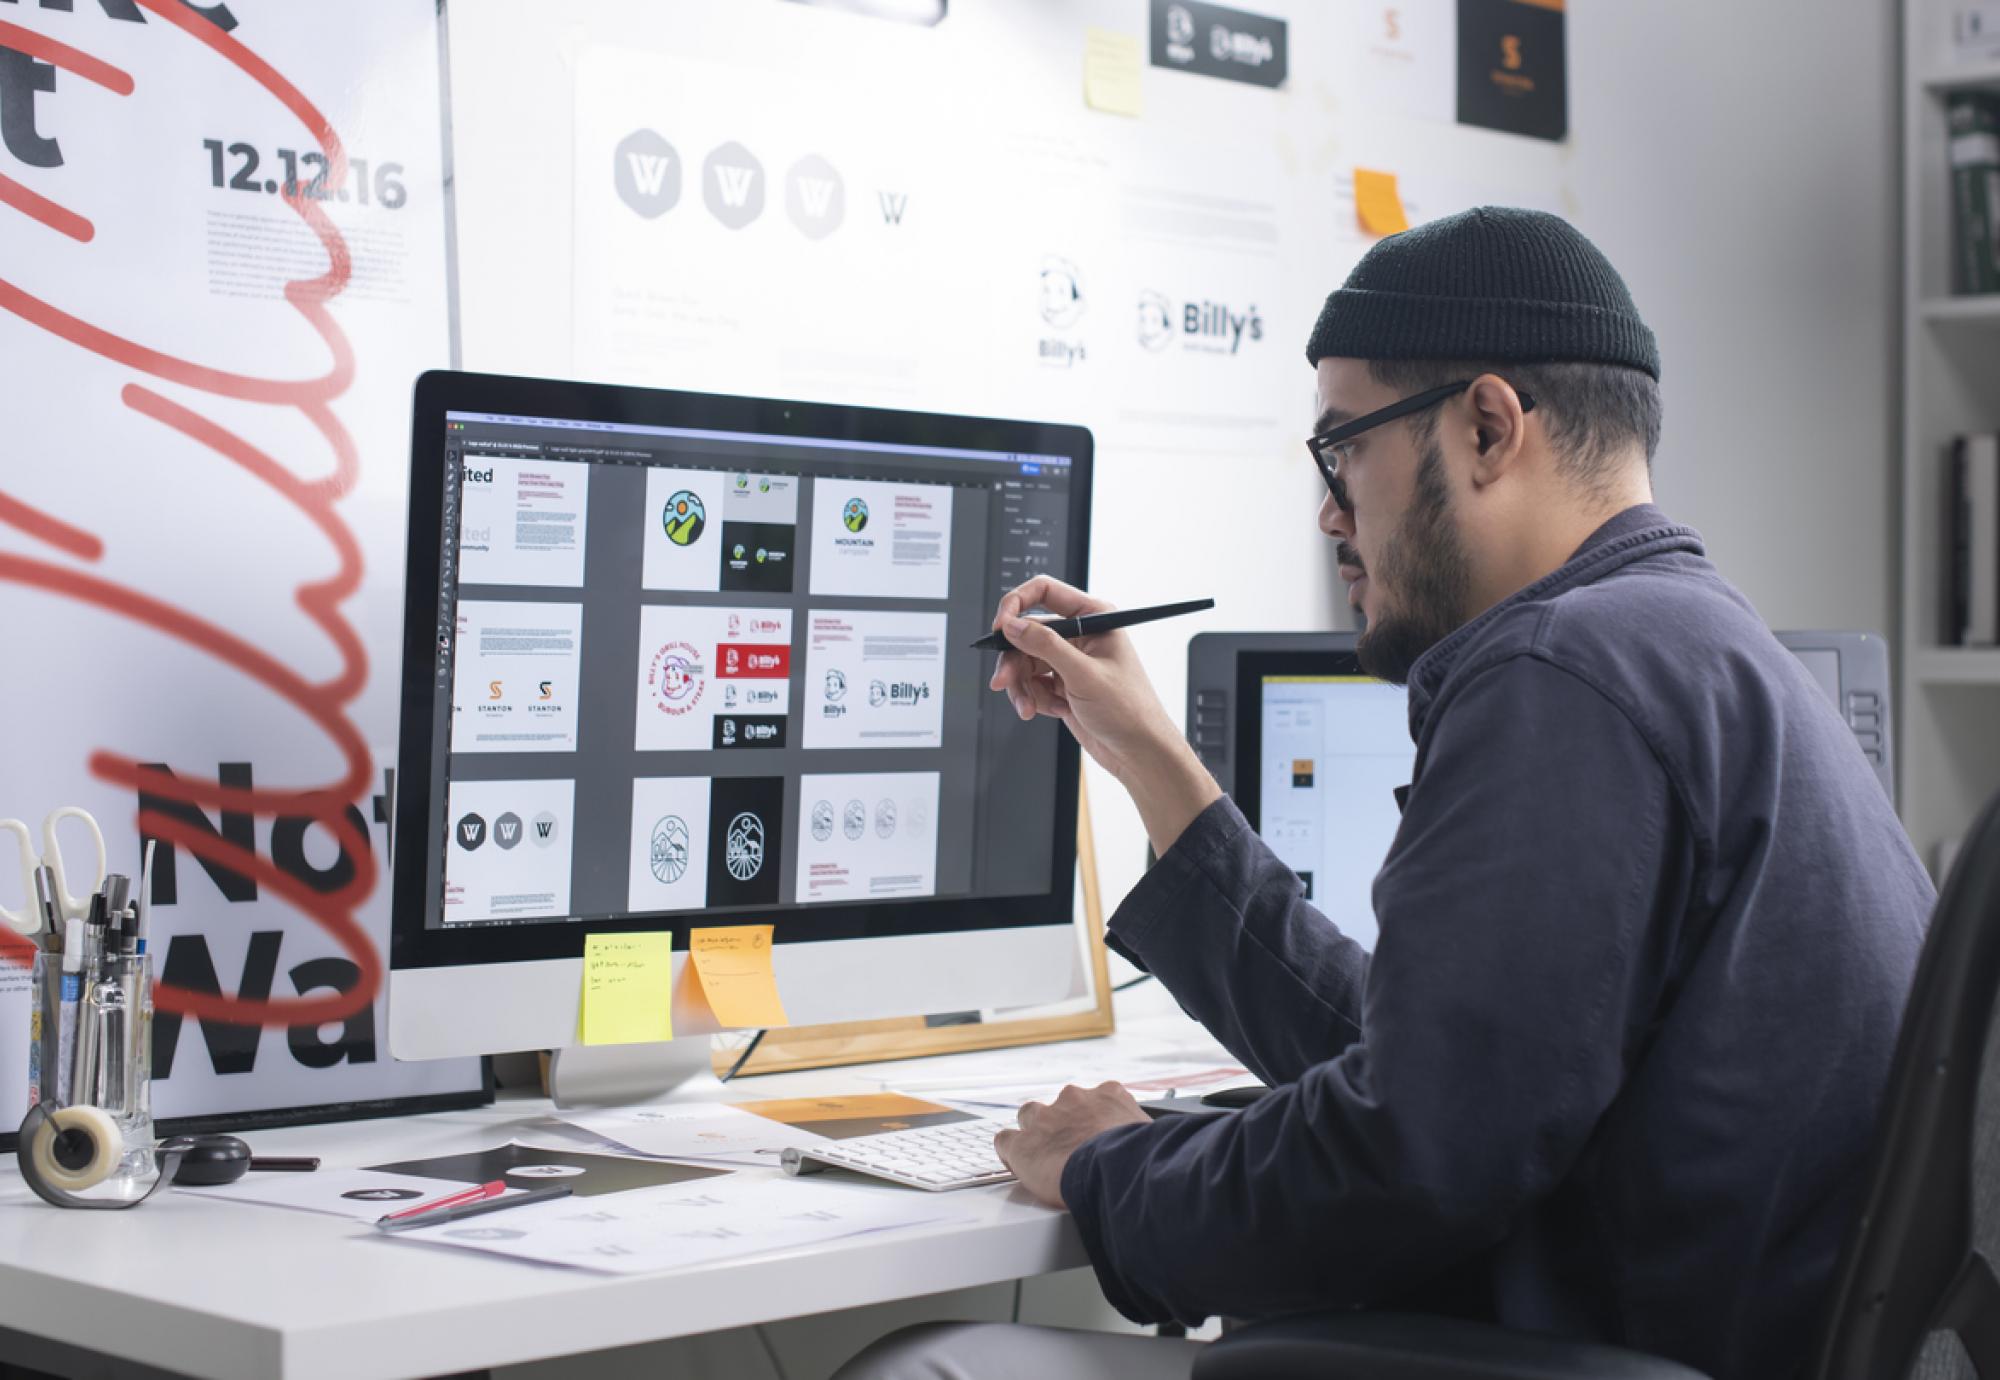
[{"x": 1498, "y": 424}]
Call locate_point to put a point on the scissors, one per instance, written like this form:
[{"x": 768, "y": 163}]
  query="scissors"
[{"x": 73, "y": 907}]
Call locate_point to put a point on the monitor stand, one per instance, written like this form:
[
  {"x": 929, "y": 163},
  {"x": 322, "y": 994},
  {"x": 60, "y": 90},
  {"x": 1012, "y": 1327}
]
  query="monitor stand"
[{"x": 621, "y": 1075}]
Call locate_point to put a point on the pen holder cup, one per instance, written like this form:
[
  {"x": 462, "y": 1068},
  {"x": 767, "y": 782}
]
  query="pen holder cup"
[{"x": 87, "y": 1140}]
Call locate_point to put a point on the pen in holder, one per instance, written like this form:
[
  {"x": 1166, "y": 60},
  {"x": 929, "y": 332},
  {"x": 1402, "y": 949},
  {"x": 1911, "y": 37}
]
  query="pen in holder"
[{"x": 87, "y": 1140}]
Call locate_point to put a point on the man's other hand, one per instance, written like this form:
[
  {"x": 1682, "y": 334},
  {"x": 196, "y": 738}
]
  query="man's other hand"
[{"x": 1049, "y": 1134}]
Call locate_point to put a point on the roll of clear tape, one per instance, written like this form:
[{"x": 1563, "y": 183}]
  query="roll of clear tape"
[
  {"x": 76, "y": 1148},
  {"x": 64, "y": 1152}
]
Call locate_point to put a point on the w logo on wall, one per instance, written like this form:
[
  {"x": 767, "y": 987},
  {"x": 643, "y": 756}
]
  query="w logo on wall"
[
  {"x": 815, "y": 197},
  {"x": 732, "y": 183}
]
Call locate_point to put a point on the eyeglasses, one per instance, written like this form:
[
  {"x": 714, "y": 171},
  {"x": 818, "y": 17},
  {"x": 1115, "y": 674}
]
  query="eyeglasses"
[{"x": 1330, "y": 449}]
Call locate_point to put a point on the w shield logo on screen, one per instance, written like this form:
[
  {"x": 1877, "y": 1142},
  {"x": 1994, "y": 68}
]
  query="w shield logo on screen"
[
  {"x": 471, "y": 832},
  {"x": 745, "y": 855},
  {"x": 684, "y": 518},
  {"x": 855, "y": 515}
]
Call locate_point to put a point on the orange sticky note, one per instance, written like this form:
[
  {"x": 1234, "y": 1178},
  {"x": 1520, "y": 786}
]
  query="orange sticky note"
[
  {"x": 1380, "y": 204},
  {"x": 627, "y": 989},
  {"x": 734, "y": 964}
]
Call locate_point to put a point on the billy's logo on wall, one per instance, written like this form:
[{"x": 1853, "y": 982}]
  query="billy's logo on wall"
[
  {"x": 1062, "y": 305},
  {"x": 1216, "y": 41},
  {"x": 1203, "y": 326}
]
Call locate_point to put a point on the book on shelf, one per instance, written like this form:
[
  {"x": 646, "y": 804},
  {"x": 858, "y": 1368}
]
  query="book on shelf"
[
  {"x": 1971, "y": 603},
  {"x": 1972, "y": 141}
]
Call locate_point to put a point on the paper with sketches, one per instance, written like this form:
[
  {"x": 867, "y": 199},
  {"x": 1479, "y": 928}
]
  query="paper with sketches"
[
  {"x": 685, "y": 1225},
  {"x": 706, "y": 1131}
]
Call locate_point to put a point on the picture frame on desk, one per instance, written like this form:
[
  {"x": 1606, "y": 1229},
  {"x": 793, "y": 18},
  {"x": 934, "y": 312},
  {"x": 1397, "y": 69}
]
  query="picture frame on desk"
[{"x": 793, "y": 1048}]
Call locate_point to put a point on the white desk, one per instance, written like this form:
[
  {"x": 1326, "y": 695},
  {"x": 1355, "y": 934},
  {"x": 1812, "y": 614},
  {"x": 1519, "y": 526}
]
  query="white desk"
[{"x": 229, "y": 1290}]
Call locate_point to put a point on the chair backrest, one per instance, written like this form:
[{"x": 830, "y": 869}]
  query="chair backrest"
[{"x": 1916, "y": 1293}]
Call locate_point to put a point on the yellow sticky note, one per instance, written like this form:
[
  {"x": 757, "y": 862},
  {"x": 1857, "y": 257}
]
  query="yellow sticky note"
[
  {"x": 627, "y": 989},
  {"x": 1380, "y": 204},
  {"x": 734, "y": 964},
  {"x": 1111, "y": 66}
]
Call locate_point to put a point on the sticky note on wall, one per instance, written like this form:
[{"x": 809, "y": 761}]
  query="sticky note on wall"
[
  {"x": 627, "y": 989},
  {"x": 734, "y": 964},
  {"x": 1111, "y": 67},
  {"x": 1379, "y": 202}
]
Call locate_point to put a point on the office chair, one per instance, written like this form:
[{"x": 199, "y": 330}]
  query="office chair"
[{"x": 1916, "y": 1293}]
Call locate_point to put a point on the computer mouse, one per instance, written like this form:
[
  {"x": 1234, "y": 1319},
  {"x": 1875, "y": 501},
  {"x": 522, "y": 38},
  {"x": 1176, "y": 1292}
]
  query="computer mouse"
[
  {"x": 213, "y": 1160},
  {"x": 1234, "y": 1097}
]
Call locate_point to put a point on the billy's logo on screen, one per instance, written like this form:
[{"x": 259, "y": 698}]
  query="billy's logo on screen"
[
  {"x": 28, "y": 131},
  {"x": 905, "y": 693},
  {"x": 676, "y": 677},
  {"x": 188, "y": 961},
  {"x": 1216, "y": 41}
]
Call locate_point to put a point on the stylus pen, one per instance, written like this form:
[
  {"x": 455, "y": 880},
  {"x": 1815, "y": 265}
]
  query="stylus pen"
[
  {"x": 453, "y": 1214},
  {"x": 1099, "y": 622}
]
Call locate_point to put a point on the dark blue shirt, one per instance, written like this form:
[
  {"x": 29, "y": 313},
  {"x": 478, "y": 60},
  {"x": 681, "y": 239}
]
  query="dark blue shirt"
[{"x": 1647, "y": 927}]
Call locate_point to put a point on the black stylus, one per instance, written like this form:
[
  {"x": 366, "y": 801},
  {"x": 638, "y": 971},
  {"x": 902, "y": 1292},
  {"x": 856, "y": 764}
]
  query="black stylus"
[{"x": 1090, "y": 623}]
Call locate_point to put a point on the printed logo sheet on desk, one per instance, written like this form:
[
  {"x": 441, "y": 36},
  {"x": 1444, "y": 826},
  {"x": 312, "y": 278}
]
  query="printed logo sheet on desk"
[
  {"x": 531, "y": 1166},
  {"x": 685, "y": 1225},
  {"x": 362, "y": 1194}
]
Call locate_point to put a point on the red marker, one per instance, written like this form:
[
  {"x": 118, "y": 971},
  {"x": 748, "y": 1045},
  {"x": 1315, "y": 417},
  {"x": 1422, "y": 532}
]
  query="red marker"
[{"x": 477, "y": 1194}]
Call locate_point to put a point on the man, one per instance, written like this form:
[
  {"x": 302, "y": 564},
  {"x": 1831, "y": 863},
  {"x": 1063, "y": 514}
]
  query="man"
[{"x": 1646, "y": 927}]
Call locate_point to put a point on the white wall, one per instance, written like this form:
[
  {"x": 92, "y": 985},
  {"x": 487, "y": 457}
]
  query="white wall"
[{"x": 1739, "y": 178}]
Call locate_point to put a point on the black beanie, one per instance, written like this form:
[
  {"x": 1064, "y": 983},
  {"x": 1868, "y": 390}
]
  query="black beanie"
[{"x": 1493, "y": 283}]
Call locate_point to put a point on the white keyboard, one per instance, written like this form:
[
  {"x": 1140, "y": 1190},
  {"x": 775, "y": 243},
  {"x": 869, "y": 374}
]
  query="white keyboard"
[{"x": 958, "y": 1154}]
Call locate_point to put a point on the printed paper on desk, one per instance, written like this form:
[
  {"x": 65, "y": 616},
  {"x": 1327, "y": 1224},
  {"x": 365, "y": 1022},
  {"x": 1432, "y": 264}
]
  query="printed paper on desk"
[
  {"x": 734, "y": 965},
  {"x": 712, "y": 1132},
  {"x": 363, "y": 1194},
  {"x": 686, "y": 1225},
  {"x": 627, "y": 989}
]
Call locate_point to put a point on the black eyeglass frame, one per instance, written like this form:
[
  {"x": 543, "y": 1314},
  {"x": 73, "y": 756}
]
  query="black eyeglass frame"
[{"x": 1323, "y": 444}]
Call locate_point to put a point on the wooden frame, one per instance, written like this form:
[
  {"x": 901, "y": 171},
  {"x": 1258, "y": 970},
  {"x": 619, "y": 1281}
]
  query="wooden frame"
[{"x": 909, "y": 1037}]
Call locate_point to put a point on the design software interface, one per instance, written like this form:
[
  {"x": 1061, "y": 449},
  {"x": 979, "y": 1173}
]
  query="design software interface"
[
  {"x": 1335, "y": 749},
  {"x": 690, "y": 670}
]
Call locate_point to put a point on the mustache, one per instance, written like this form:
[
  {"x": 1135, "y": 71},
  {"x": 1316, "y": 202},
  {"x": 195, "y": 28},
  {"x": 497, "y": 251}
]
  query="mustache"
[{"x": 1346, "y": 555}]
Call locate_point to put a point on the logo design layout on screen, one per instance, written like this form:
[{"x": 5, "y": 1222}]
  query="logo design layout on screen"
[
  {"x": 745, "y": 847},
  {"x": 670, "y": 849},
  {"x": 684, "y": 518},
  {"x": 855, "y": 515},
  {"x": 677, "y": 678}
]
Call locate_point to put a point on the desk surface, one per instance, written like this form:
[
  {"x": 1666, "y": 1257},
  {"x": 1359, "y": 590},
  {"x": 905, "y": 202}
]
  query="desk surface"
[{"x": 235, "y": 1289}]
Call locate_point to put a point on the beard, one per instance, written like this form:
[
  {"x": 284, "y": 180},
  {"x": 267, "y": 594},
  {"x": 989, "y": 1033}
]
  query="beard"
[{"x": 1424, "y": 563}]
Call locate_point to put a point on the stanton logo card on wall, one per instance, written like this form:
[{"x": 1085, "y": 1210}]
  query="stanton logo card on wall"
[{"x": 1511, "y": 67}]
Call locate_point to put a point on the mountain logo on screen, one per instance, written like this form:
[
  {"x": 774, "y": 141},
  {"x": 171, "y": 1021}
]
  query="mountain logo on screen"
[
  {"x": 744, "y": 846},
  {"x": 854, "y": 819},
  {"x": 822, "y": 820},
  {"x": 854, "y": 516},
  {"x": 885, "y": 818},
  {"x": 669, "y": 857},
  {"x": 684, "y": 518}
]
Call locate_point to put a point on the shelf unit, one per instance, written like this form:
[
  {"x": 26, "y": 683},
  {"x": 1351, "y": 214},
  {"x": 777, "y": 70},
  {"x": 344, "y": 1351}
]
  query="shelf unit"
[{"x": 1949, "y": 697}]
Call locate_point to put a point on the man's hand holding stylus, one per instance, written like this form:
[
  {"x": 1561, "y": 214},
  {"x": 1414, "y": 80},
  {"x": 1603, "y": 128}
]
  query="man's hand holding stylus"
[{"x": 1099, "y": 690}]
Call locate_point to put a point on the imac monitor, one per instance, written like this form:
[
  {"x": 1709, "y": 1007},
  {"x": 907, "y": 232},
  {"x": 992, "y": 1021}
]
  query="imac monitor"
[{"x": 675, "y": 660}]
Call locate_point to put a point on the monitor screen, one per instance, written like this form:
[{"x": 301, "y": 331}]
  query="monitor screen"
[
  {"x": 692, "y": 672},
  {"x": 1322, "y": 752}
]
